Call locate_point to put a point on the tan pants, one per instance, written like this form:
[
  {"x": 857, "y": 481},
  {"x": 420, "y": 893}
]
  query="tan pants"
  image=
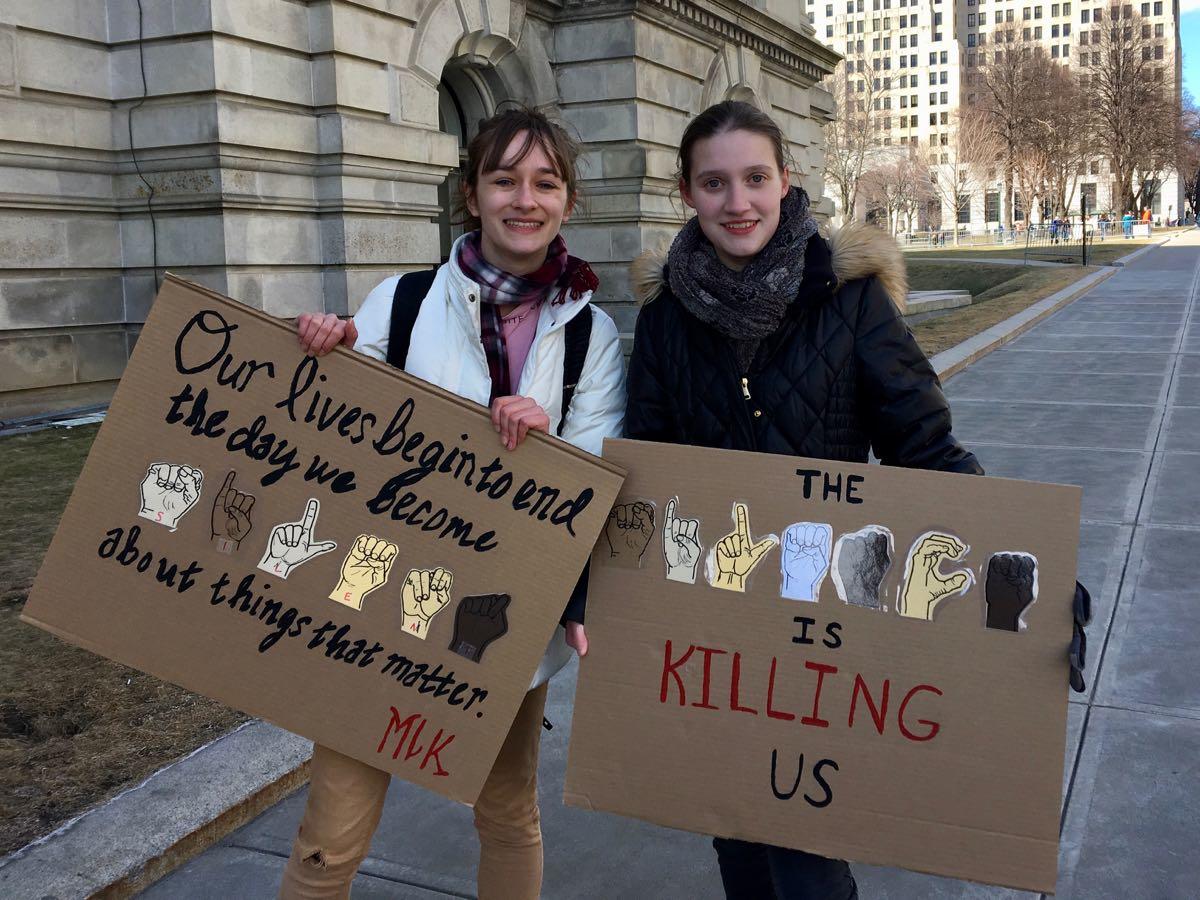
[{"x": 345, "y": 801}]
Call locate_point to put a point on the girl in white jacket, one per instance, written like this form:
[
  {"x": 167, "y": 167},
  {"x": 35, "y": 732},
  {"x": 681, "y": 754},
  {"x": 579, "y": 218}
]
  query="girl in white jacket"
[{"x": 491, "y": 329}]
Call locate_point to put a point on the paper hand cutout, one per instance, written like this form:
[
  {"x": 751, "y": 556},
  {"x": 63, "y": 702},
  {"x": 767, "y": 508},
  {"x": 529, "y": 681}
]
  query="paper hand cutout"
[
  {"x": 426, "y": 593},
  {"x": 734, "y": 557},
  {"x": 628, "y": 531},
  {"x": 861, "y": 559},
  {"x": 925, "y": 587},
  {"x": 1010, "y": 589},
  {"x": 365, "y": 568},
  {"x": 291, "y": 543},
  {"x": 806, "y": 549},
  {"x": 231, "y": 516},
  {"x": 168, "y": 492},
  {"x": 479, "y": 621},
  {"x": 681, "y": 546}
]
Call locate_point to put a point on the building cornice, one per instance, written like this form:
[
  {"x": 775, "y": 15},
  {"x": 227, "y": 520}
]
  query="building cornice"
[{"x": 729, "y": 20}]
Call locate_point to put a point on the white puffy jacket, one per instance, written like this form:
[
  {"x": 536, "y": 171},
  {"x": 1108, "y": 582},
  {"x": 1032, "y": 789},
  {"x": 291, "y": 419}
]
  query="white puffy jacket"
[{"x": 445, "y": 349}]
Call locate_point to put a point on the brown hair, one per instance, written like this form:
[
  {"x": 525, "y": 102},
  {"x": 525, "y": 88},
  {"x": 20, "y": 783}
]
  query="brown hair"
[
  {"x": 485, "y": 153},
  {"x": 731, "y": 115}
]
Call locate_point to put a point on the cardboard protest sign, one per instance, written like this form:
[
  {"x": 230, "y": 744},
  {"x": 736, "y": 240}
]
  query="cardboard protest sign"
[
  {"x": 326, "y": 543},
  {"x": 858, "y": 661}
]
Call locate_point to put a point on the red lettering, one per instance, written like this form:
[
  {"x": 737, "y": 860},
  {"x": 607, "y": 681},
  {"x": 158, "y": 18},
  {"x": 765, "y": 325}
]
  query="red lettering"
[
  {"x": 671, "y": 668},
  {"x": 822, "y": 670},
  {"x": 878, "y": 714},
  {"x": 413, "y": 749},
  {"x": 933, "y": 726},
  {"x": 434, "y": 749},
  {"x": 709, "y": 653},
  {"x": 771, "y": 711},
  {"x": 735, "y": 684},
  {"x": 401, "y": 727}
]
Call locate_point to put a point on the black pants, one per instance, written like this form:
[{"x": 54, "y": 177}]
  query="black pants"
[{"x": 761, "y": 872}]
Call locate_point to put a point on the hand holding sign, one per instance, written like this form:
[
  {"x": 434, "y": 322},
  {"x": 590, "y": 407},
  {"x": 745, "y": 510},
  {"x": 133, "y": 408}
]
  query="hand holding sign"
[
  {"x": 231, "y": 516},
  {"x": 292, "y": 544},
  {"x": 365, "y": 568},
  {"x": 168, "y": 492},
  {"x": 735, "y": 555},
  {"x": 628, "y": 531},
  {"x": 426, "y": 593},
  {"x": 680, "y": 545},
  {"x": 806, "y": 549},
  {"x": 1011, "y": 588},
  {"x": 924, "y": 586}
]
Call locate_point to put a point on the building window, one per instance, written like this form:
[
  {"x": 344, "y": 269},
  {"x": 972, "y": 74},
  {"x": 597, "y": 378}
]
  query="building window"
[
  {"x": 991, "y": 206},
  {"x": 1145, "y": 9},
  {"x": 932, "y": 99},
  {"x": 1087, "y": 195},
  {"x": 1037, "y": 12},
  {"x": 904, "y": 21},
  {"x": 937, "y": 19},
  {"x": 828, "y": 31},
  {"x": 983, "y": 18},
  {"x": 829, "y": 9},
  {"x": 933, "y": 118},
  {"x": 944, "y": 139},
  {"x": 1158, "y": 7},
  {"x": 1158, "y": 30},
  {"x": 1037, "y": 33},
  {"x": 1084, "y": 15},
  {"x": 1027, "y": 14},
  {"x": 942, "y": 57},
  {"x": 970, "y": 20},
  {"x": 904, "y": 101},
  {"x": 933, "y": 77},
  {"x": 964, "y": 206},
  {"x": 1054, "y": 10},
  {"x": 1066, "y": 30},
  {"x": 887, "y": 43},
  {"x": 1158, "y": 51},
  {"x": 944, "y": 118},
  {"x": 933, "y": 57},
  {"x": 970, "y": 40},
  {"x": 912, "y": 61},
  {"x": 903, "y": 41},
  {"x": 943, "y": 78},
  {"x": 1054, "y": 51},
  {"x": 942, "y": 98},
  {"x": 1053, "y": 31}
]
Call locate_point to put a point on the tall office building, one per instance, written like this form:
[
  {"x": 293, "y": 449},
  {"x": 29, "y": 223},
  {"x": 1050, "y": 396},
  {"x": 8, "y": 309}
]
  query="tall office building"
[{"x": 918, "y": 62}]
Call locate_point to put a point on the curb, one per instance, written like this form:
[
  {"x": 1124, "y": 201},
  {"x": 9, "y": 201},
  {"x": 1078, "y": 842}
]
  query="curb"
[
  {"x": 126, "y": 844},
  {"x": 953, "y": 360}
]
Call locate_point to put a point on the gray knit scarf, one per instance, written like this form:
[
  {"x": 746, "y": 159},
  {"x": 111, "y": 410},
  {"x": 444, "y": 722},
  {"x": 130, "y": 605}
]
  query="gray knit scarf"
[{"x": 745, "y": 306}]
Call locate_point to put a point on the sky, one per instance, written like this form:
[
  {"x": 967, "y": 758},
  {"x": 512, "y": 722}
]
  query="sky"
[{"x": 1189, "y": 39}]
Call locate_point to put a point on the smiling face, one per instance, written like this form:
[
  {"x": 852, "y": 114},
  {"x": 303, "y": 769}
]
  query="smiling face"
[
  {"x": 736, "y": 187},
  {"x": 520, "y": 205}
]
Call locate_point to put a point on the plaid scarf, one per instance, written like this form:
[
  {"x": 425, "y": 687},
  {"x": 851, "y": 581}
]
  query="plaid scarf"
[{"x": 572, "y": 276}]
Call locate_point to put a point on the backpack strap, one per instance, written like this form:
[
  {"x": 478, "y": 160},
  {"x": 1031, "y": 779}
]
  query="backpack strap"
[
  {"x": 577, "y": 335},
  {"x": 406, "y": 305}
]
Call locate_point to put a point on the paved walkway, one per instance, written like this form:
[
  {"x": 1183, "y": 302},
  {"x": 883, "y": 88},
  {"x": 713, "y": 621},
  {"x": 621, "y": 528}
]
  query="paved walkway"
[{"x": 1104, "y": 394}]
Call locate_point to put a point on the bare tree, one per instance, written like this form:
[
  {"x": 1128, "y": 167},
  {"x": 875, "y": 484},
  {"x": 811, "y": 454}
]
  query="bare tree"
[
  {"x": 1060, "y": 135},
  {"x": 851, "y": 139},
  {"x": 1013, "y": 80},
  {"x": 1188, "y": 154},
  {"x": 963, "y": 161},
  {"x": 1135, "y": 103},
  {"x": 897, "y": 185}
]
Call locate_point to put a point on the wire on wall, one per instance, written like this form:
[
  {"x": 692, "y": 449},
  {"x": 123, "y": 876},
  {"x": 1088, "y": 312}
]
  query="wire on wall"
[{"x": 133, "y": 150}]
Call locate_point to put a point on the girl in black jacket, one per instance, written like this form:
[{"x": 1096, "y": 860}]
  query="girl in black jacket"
[{"x": 758, "y": 334}]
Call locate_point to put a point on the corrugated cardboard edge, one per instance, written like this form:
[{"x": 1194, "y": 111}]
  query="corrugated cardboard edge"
[{"x": 126, "y": 844}]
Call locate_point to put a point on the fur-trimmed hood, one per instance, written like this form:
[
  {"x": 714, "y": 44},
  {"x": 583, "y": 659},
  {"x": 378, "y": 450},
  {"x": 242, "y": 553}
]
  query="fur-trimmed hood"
[{"x": 856, "y": 251}]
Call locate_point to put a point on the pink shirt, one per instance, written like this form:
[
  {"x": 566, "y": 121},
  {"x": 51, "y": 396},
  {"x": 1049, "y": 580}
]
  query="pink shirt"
[{"x": 518, "y": 329}]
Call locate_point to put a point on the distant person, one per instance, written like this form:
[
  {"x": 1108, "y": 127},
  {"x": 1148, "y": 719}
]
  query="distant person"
[{"x": 1127, "y": 224}]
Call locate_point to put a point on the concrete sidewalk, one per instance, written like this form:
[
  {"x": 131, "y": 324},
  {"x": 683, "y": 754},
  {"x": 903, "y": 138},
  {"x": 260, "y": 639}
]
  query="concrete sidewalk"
[{"x": 1104, "y": 394}]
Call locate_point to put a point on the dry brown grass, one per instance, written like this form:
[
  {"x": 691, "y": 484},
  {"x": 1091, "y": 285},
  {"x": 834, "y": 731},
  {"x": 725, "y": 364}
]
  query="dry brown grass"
[
  {"x": 994, "y": 305},
  {"x": 74, "y": 728}
]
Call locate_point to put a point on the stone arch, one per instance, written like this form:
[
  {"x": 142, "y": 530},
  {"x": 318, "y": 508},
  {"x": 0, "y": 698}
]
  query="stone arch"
[{"x": 735, "y": 74}]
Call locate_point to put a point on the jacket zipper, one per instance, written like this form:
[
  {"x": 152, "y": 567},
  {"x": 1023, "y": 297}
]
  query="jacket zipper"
[{"x": 746, "y": 388}]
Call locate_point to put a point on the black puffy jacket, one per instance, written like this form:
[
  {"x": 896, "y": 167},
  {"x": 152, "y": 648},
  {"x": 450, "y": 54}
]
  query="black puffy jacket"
[{"x": 842, "y": 374}]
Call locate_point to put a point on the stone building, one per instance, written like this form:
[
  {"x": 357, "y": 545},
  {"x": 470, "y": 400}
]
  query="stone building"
[{"x": 291, "y": 153}]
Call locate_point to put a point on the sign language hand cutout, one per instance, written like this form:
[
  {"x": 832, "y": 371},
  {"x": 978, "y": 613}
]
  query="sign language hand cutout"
[
  {"x": 426, "y": 593},
  {"x": 291, "y": 543},
  {"x": 479, "y": 621},
  {"x": 925, "y": 587},
  {"x": 628, "y": 531},
  {"x": 168, "y": 492},
  {"x": 1010, "y": 589},
  {"x": 734, "y": 557},
  {"x": 231, "y": 516},
  {"x": 861, "y": 559},
  {"x": 681, "y": 545},
  {"x": 806, "y": 549},
  {"x": 365, "y": 568}
]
